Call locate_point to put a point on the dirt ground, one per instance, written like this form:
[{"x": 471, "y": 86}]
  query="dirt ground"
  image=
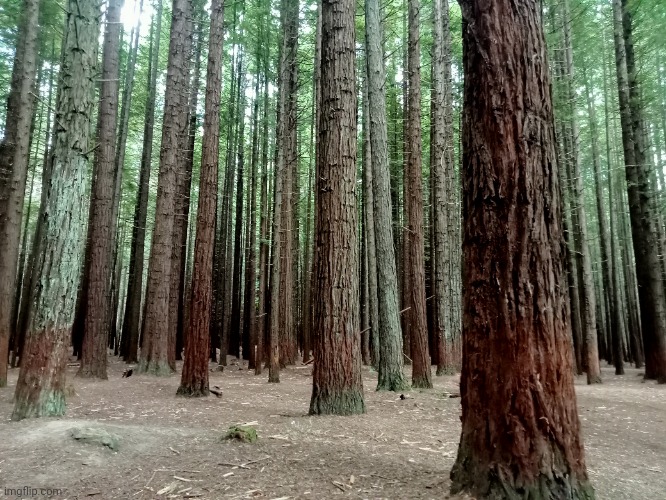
[{"x": 170, "y": 446}]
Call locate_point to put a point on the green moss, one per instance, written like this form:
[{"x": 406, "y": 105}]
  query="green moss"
[
  {"x": 246, "y": 434},
  {"x": 54, "y": 404},
  {"x": 49, "y": 403}
]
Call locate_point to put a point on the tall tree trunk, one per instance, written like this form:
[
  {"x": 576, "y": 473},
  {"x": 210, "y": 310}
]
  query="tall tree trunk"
[
  {"x": 371, "y": 327},
  {"x": 181, "y": 220},
  {"x": 132, "y": 316},
  {"x": 587, "y": 283},
  {"x": 264, "y": 230},
  {"x": 250, "y": 307},
  {"x": 516, "y": 350},
  {"x": 414, "y": 242},
  {"x": 225, "y": 269},
  {"x": 194, "y": 380},
  {"x": 646, "y": 248},
  {"x": 26, "y": 259},
  {"x": 613, "y": 308},
  {"x": 443, "y": 196},
  {"x": 41, "y": 384},
  {"x": 14, "y": 156},
  {"x": 289, "y": 157},
  {"x": 154, "y": 354},
  {"x": 23, "y": 275},
  {"x": 237, "y": 293},
  {"x": 337, "y": 385},
  {"x": 306, "y": 322},
  {"x": 618, "y": 318},
  {"x": 96, "y": 317},
  {"x": 123, "y": 128},
  {"x": 390, "y": 375}
]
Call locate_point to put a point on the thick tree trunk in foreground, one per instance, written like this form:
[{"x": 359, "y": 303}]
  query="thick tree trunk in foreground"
[
  {"x": 390, "y": 375},
  {"x": 132, "y": 316},
  {"x": 194, "y": 380},
  {"x": 337, "y": 386},
  {"x": 14, "y": 156},
  {"x": 414, "y": 242},
  {"x": 41, "y": 384},
  {"x": 520, "y": 430},
  {"x": 154, "y": 354},
  {"x": 96, "y": 320}
]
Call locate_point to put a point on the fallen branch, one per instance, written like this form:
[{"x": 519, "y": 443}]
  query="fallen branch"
[{"x": 338, "y": 485}]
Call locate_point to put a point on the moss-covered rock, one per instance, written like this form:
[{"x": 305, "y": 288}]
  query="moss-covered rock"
[
  {"x": 96, "y": 435},
  {"x": 245, "y": 434}
]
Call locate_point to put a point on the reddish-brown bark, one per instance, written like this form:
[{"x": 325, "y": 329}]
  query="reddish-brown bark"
[
  {"x": 415, "y": 298},
  {"x": 14, "y": 156},
  {"x": 130, "y": 329},
  {"x": 651, "y": 295},
  {"x": 40, "y": 390},
  {"x": 97, "y": 289},
  {"x": 194, "y": 380},
  {"x": 155, "y": 351},
  {"x": 337, "y": 386},
  {"x": 520, "y": 428}
]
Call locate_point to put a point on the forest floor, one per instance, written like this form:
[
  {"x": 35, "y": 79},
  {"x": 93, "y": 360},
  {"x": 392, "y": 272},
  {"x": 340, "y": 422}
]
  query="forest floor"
[{"x": 170, "y": 446}]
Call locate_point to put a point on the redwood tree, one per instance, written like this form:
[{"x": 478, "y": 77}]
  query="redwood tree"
[
  {"x": 40, "y": 390},
  {"x": 390, "y": 375},
  {"x": 415, "y": 299},
  {"x": 520, "y": 429},
  {"x": 194, "y": 381},
  {"x": 154, "y": 354},
  {"x": 97, "y": 288},
  {"x": 337, "y": 386},
  {"x": 131, "y": 320},
  {"x": 14, "y": 156}
]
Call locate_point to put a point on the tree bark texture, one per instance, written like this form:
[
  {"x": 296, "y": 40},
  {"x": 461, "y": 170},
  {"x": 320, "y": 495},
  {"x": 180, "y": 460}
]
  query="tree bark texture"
[
  {"x": 194, "y": 380},
  {"x": 96, "y": 319},
  {"x": 289, "y": 157},
  {"x": 444, "y": 201},
  {"x": 520, "y": 429},
  {"x": 40, "y": 390},
  {"x": 184, "y": 185},
  {"x": 589, "y": 299},
  {"x": 154, "y": 352},
  {"x": 390, "y": 375},
  {"x": 132, "y": 316},
  {"x": 14, "y": 156},
  {"x": 414, "y": 240},
  {"x": 337, "y": 385},
  {"x": 652, "y": 301}
]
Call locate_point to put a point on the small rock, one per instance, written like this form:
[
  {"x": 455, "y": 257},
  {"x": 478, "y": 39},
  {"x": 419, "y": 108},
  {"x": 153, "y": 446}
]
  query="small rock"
[{"x": 96, "y": 436}]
